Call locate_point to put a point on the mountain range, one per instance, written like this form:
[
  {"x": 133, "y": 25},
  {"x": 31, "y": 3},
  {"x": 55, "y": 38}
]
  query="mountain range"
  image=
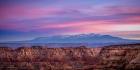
[{"x": 81, "y": 38}]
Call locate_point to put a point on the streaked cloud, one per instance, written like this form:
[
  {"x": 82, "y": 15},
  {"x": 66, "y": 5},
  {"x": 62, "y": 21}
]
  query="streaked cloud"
[{"x": 54, "y": 17}]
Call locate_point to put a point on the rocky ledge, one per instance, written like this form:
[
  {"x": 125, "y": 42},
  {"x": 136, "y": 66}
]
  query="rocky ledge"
[{"x": 115, "y": 57}]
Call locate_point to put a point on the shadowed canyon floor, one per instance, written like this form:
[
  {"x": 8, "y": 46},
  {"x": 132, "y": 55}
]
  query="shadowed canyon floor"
[{"x": 116, "y": 57}]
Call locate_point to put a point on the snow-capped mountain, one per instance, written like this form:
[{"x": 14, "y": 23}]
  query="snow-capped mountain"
[
  {"x": 90, "y": 40},
  {"x": 81, "y": 38}
]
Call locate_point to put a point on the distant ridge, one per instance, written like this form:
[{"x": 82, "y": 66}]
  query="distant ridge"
[{"x": 81, "y": 38}]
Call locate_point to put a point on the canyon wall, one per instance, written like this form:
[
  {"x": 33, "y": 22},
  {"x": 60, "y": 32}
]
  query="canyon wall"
[{"x": 117, "y": 57}]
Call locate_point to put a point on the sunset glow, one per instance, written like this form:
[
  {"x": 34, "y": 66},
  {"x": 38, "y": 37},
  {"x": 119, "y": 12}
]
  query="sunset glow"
[{"x": 24, "y": 20}]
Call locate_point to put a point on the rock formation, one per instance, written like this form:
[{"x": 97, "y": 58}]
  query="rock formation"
[{"x": 117, "y": 57}]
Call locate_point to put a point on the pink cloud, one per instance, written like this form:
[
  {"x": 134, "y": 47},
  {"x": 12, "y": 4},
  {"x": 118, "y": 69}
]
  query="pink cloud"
[
  {"x": 125, "y": 34},
  {"x": 114, "y": 10},
  {"x": 89, "y": 26},
  {"x": 80, "y": 26},
  {"x": 14, "y": 26},
  {"x": 9, "y": 25},
  {"x": 26, "y": 12},
  {"x": 85, "y": 26}
]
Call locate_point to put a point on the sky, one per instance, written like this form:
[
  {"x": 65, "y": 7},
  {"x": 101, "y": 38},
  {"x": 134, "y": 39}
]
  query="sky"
[{"x": 28, "y": 19}]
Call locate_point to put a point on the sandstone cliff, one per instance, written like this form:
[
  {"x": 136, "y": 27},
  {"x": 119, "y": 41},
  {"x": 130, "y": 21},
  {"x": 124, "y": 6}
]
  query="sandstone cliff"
[{"x": 117, "y": 57}]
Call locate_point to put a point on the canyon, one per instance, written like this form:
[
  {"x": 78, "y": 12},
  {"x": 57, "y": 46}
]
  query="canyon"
[{"x": 113, "y": 57}]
